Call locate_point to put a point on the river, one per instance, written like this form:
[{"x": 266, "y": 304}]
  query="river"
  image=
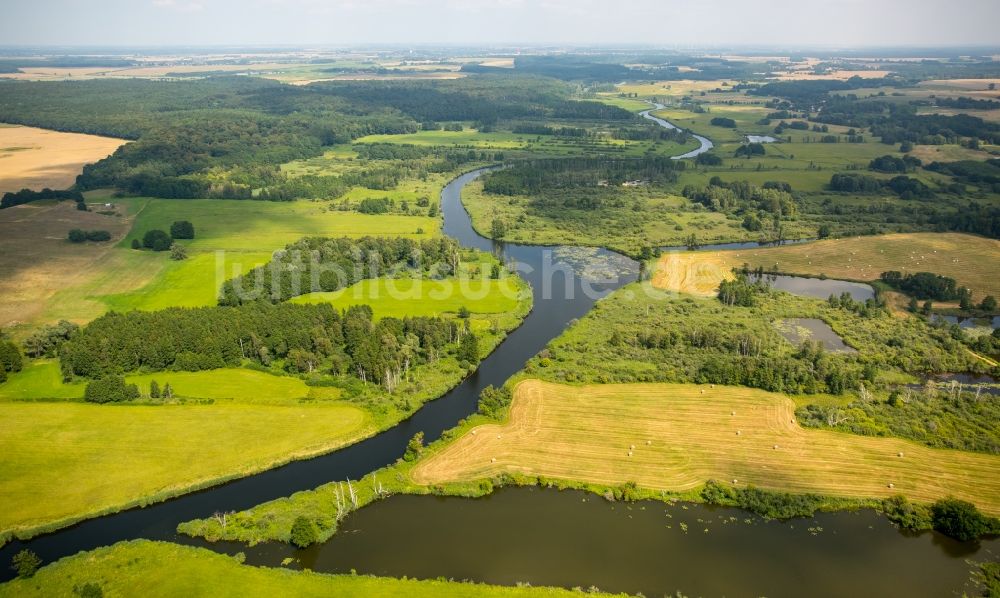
[{"x": 549, "y": 537}]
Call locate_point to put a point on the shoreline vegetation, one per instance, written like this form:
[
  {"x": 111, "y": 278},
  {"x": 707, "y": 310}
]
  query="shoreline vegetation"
[{"x": 155, "y": 569}]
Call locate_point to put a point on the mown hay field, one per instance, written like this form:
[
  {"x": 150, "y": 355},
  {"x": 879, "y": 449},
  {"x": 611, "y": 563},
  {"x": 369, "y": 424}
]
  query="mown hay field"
[{"x": 676, "y": 436}]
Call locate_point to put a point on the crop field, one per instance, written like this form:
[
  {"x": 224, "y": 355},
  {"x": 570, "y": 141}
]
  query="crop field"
[
  {"x": 32, "y": 158},
  {"x": 675, "y": 437},
  {"x": 162, "y": 569},
  {"x": 65, "y": 461},
  {"x": 971, "y": 260},
  {"x": 424, "y": 297}
]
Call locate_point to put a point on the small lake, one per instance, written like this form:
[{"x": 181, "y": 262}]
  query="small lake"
[
  {"x": 797, "y": 330},
  {"x": 761, "y": 139},
  {"x": 966, "y": 323},
  {"x": 577, "y": 539},
  {"x": 819, "y": 288}
]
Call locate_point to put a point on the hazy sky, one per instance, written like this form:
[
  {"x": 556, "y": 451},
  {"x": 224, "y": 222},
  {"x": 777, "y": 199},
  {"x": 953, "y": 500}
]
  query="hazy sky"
[{"x": 837, "y": 23}]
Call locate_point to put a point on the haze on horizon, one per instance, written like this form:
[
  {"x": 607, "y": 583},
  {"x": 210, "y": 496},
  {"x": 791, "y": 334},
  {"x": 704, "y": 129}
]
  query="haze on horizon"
[{"x": 705, "y": 23}]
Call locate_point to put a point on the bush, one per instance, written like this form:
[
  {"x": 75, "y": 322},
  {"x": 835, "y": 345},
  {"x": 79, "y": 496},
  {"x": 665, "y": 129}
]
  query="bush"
[
  {"x": 77, "y": 236},
  {"x": 372, "y": 205},
  {"x": 178, "y": 252},
  {"x": 182, "y": 229},
  {"x": 303, "y": 532},
  {"x": 719, "y": 121},
  {"x": 157, "y": 240},
  {"x": 136, "y": 244},
  {"x": 26, "y": 563},
  {"x": 959, "y": 519},
  {"x": 111, "y": 389}
]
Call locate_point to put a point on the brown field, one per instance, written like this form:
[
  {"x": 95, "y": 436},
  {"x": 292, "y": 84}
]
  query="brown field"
[
  {"x": 971, "y": 260},
  {"x": 36, "y": 260},
  {"x": 951, "y": 153},
  {"x": 36, "y": 158},
  {"x": 676, "y": 436}
]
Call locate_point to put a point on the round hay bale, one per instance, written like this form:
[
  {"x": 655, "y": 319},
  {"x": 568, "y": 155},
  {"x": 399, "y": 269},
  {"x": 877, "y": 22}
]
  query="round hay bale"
[
  {"x": 775, "y": 447},
  {"x": 732, "y": 413},
  {"x": 473, "y": 432},
  {"x": 891, "y": 485},
  {"x": 735, "y": 480},
  {"x": 899, "y": 454},
  {"x": 493, "y": 460},
  {"x": 738, "y": 432}
]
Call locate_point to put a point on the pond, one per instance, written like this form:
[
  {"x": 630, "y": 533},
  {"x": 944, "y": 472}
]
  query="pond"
[
  {"x": 797, "y": 330},
  {"x": 761, "y": 139},
  {"x": 577, "y": 539},
  {"x": 967, "y": 323},
  {"x": 820, "y": 288}
]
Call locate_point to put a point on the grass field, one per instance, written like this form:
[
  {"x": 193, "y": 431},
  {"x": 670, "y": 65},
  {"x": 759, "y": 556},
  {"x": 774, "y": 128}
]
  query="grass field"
[
  {"x": 237, "y": 225},
  {"x": 154, "y": 569},
  {"x": 41, "y": 379},
  {"x": 424, "y": 297},
  {"x": 44, "y": 278},
  {"x": 675, "y": 437},
  {"x": 37, "y": 263},
  {"x": 33, "y": 158},
  {"x": 971, "y": 260},
  {"x": 66, "y": 461}
]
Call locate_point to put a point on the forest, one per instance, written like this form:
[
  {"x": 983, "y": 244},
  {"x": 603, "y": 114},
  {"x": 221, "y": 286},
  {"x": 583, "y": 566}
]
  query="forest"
[{"x": 302, "y": 338}]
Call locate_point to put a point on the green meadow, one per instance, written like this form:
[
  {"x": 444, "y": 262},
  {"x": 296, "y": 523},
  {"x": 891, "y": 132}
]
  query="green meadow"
[
  {"x": 401, "y": 297},
  {"x": 154, "y": 569},
  {"x": 41, "y": 379},
  {"x": 66, "y": 461}
]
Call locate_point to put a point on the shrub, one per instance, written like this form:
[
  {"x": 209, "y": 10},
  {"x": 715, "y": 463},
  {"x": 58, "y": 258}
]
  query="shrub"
[
  {"x": 719, "y": 121},
  {"x": 182, "y": 229},
  {"x": 959, "y": 519},
  {"x": 157, "y": 240},
  {"x": 303, "y": 532},
  {"x": 77, "y": 236},
  {"x": 178, "y": 252},
  {"x": 136, "y": 244},
  {"x": 26, "y": 563}
]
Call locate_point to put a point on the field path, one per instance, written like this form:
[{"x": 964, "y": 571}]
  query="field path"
[{"x": 677, "y": 436}]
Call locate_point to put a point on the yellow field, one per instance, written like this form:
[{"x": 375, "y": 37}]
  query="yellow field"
[
  {"x": 33, "y": 158},
  {"x": 65, "y": 461},
  {"x": 677, "y": 436},
  {"x": 969, "y": 259}
]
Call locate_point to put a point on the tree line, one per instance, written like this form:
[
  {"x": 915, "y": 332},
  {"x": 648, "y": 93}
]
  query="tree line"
[{"x": 321, "y": 264}]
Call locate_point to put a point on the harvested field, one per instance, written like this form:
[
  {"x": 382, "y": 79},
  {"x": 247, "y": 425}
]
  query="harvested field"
[
  {"x": 677, "y": 436},
  {"x": 33, "y": 158},
  {"x": 37, "y": 262}
]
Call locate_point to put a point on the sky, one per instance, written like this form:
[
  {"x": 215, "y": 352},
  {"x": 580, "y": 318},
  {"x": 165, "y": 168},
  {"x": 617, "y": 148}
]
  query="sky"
[{"x": 667, "y": 23}]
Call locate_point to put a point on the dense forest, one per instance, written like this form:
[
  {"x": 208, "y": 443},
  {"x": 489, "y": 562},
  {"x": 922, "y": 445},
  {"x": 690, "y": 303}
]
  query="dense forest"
[
  {"x": 319, "y": 264},
  {"x": 306, "y": 338}
]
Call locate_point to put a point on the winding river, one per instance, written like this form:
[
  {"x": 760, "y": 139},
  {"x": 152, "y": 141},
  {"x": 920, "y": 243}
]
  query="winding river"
[
  {"x": 705, "y": 144},
  {"x": 547, "y": 536}
]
